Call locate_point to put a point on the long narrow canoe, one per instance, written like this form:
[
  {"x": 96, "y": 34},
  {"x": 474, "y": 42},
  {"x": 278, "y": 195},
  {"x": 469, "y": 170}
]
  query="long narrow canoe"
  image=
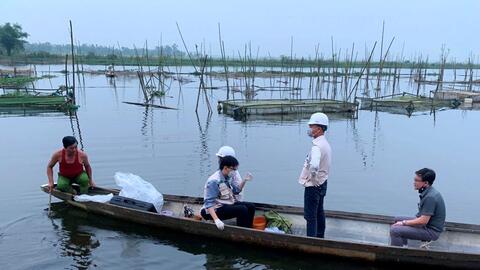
[{"x": 349, "y": 235}]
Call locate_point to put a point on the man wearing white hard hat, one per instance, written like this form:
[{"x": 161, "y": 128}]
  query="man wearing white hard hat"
[
  {"x": 315, "y": 174},
  {"x": 237, "y": 178},
  {"x": 225, "y": 151}
]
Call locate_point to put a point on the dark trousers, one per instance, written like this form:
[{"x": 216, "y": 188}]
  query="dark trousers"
[
  {"x": 243, "y": 211},
  {"x": 399, "y": 235},
  {"x": 313, "y": 210}
]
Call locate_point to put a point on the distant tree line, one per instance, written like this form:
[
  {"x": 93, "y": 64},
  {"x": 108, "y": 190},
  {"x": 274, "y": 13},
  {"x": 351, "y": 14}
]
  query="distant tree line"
[
  {"x": 93, "y": 50},
  {"x": 13, "y": 41}
]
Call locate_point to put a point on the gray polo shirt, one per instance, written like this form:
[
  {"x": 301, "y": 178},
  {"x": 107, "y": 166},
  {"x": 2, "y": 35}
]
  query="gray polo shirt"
[{"x": 432, "y": 204}]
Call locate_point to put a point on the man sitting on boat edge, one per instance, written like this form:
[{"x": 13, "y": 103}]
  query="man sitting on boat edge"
[
  {"x": 219, "y": 200},
  {"x": 430, "y": 219},
  {"x": 74, "y": 167}
]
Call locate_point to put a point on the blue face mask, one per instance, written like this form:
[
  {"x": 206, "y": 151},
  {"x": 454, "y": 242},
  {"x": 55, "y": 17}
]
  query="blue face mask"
[
  {"x": 309, "y": 133},
  {"x": 231, "y": 174}
]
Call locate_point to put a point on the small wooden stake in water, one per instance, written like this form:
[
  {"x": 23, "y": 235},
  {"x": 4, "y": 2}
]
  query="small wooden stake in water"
[{"x": 49, "y": 202}]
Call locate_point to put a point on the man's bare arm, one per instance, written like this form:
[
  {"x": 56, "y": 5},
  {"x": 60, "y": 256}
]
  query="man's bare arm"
[
  {"x": 53, "y": 161},
  {"x": 88, "y": 169}
]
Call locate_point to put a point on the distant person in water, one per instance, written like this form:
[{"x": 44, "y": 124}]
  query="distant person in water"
[
  {"x": 428, "y": 223},
  {"x": 74, "y": 167}
]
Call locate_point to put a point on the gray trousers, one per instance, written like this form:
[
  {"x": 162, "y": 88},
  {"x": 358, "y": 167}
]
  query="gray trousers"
[{"x": 399, "y": 235}]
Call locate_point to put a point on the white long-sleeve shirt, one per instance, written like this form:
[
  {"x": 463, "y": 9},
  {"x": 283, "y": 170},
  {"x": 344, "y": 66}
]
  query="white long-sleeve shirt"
[{"x": 317, "y": 164}]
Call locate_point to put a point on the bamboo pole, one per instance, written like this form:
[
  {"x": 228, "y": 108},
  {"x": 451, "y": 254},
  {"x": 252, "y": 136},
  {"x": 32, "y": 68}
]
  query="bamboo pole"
[
  {"x": 334, "y": 75},
  {"x": 382, "y": 62},
  {"x": 361, "y": 72},
  {"x": 367, "y": 78},
  {"x": 73, "y": 63},
  {"x": 121, "y": 55},
  {"x": 66, "y": 73},
  {"x": 50, "y": 202},
  {"x": 377, "y": 89},
  {"x": 222, "y": 52}
]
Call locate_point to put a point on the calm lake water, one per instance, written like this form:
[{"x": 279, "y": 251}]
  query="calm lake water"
[{"x": 374, "y": 159}]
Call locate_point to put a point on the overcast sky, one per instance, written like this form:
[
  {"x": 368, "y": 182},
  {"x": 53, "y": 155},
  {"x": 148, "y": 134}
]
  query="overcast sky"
[{"x": 421, "y": 25}]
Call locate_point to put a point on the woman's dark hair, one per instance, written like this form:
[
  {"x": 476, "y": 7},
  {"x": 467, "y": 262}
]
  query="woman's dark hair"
[
  {"x": 228, "y": 161},
  {"x": 427, "y": 175},
  {"x": 68, "y": 140}
]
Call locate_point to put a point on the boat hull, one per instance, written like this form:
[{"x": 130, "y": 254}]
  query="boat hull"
[{"x": 378, "y": 253}]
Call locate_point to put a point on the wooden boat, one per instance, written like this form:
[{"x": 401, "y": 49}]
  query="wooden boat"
[
  {"x": 110, "y": 74},
  {"x": 356, "y": 236}
]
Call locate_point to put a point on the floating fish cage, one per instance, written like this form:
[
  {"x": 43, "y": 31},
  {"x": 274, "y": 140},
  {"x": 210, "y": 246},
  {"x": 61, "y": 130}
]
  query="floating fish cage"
[
  {"x": 457, "y": 94},
  {"x": 242, "y": 109},
  {"x": 20, "y": 99},
  {"x": 406, "y": 103}
]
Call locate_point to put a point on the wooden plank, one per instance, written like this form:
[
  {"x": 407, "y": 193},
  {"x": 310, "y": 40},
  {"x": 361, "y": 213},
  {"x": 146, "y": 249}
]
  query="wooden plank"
[{"x": 150, "y": 105}]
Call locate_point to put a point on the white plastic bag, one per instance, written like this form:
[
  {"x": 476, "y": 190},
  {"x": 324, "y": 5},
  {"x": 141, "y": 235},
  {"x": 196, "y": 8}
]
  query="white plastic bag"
[
  {"x": 274, "y": 230},
  {"x": 134, "y": 187},
  {"x": 93, "y": 198}
]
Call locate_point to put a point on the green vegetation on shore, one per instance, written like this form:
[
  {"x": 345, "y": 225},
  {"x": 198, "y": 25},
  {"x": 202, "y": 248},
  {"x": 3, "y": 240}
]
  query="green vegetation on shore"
[
  {"x": 15, "y": 50},
  {"x": 18, "y": 81},
  {"x": 92, "y": 59}
]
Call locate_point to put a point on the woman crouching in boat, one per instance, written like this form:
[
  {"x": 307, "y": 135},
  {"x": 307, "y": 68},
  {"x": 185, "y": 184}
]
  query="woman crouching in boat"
[{"x": 219, "y": 200}]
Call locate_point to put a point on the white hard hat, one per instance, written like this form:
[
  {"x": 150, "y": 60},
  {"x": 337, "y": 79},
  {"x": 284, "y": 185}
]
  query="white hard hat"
[
  {"x": 225, "y": 151},
  {"x": 318, "y": 119}
]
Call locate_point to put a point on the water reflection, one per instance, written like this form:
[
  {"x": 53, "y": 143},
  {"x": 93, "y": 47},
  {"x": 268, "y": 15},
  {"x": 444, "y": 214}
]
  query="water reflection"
[
  {"x": 147, "y": 128},
  {"x": 359, "y": 144},
  {"x": 74, "y": 241},
  {"x": 30, "y": 112},
  {"x": 145, "y": 120},
  {"x": 112, "y": 82},
  {"x": 376, "y": 130},
  {"x": 204, "y": 149},
  {"x": 181, "y": 100},
  {"x": 75, "y": 126}
]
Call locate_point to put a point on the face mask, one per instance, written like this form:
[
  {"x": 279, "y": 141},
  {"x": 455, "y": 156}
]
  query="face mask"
[
  {"x": 309, "y": 133},
  {"x": 231, "y": 174}
]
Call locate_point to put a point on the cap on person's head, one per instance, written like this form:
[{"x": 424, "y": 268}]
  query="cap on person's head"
[
  {"x": 225, "y": 151},
  {"x": 320, "y": 119},
  {"x": 427, "y": 175},
  {"x": 68, "y": 140},
  {"x": 228, "y": 161}
]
